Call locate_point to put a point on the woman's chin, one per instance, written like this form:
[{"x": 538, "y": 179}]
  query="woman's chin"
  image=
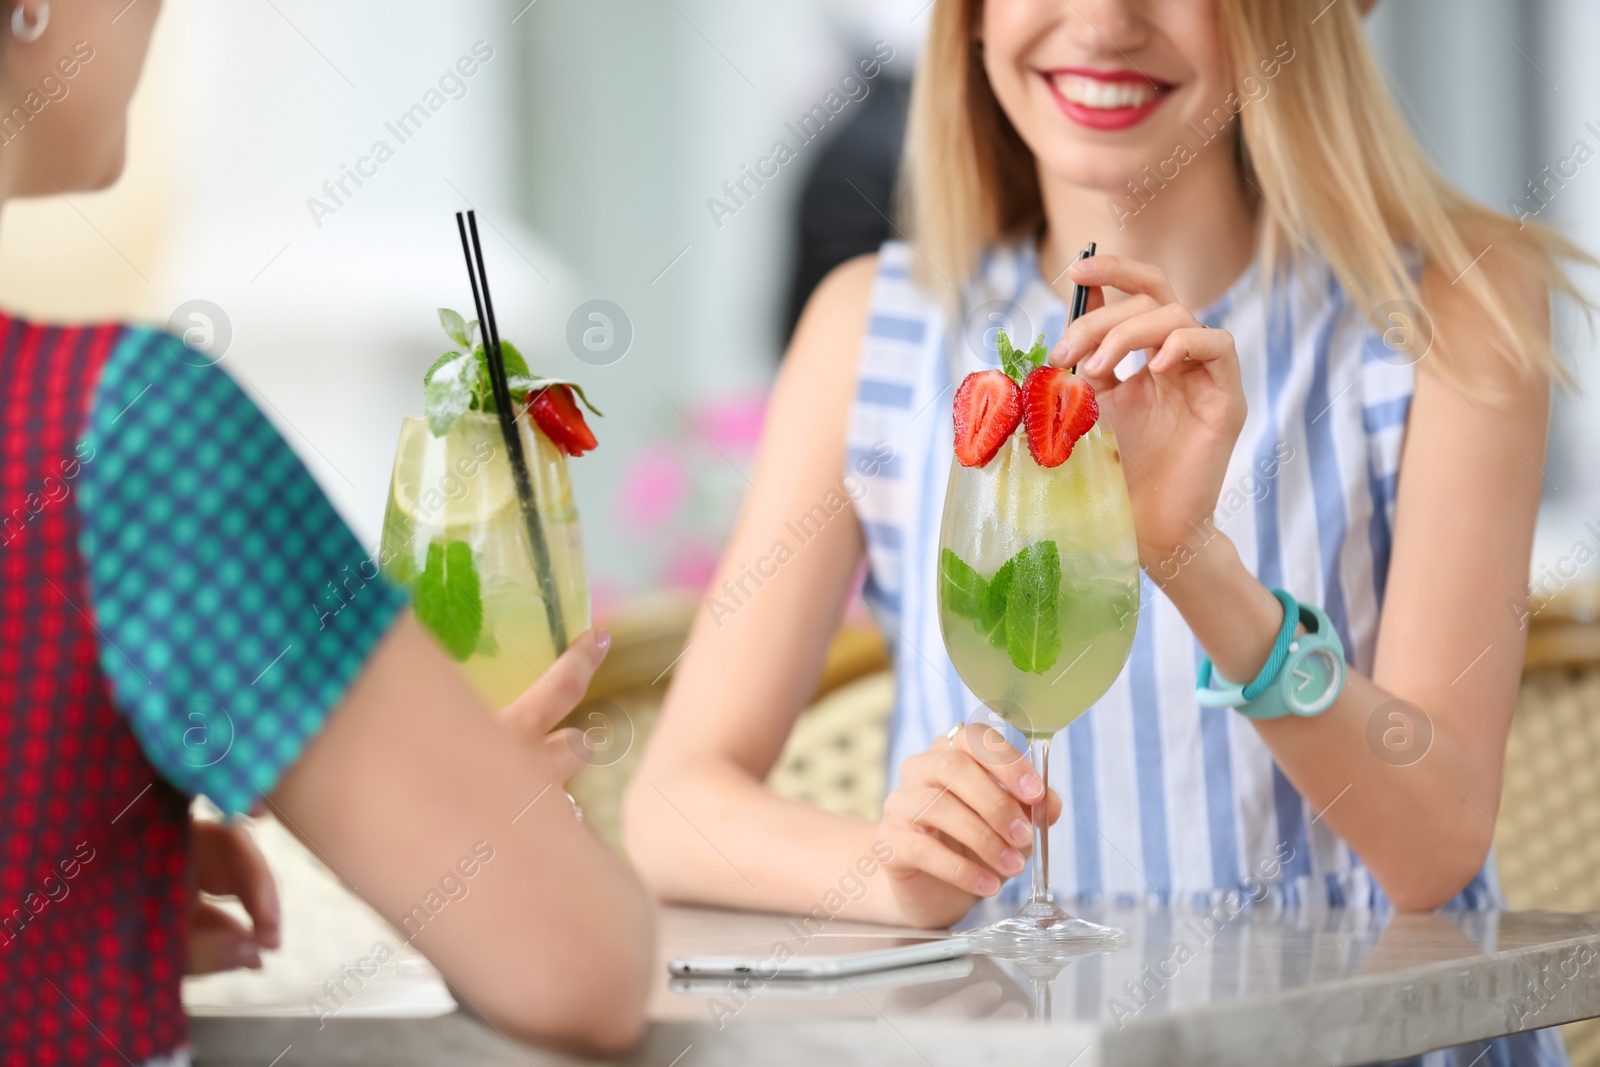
[
  {"x": 113, "y": 163},
  {"x": 80, "y": 174},
  {"x": 1099, "y": 170}
]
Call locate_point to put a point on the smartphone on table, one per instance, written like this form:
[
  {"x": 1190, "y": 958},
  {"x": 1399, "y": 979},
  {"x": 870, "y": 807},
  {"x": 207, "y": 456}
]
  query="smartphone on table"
[{"x": 822, "y": 956}]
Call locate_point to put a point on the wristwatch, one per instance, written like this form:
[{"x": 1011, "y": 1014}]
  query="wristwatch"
[{"x": 1303, "y": 676}]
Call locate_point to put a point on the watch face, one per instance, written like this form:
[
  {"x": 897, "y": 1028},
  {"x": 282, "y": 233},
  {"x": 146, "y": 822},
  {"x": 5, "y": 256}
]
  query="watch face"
[{"x": 1311, "y": 680}]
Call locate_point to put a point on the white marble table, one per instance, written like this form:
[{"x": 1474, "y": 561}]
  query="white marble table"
[{"x": 1323, "y": 987}]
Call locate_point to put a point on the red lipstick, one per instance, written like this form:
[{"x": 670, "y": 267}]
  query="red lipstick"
[{"x": 1103, "y": 117}]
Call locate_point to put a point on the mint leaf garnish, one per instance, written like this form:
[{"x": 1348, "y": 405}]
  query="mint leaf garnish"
[
  {"x": 447, "y": 600},
  {"x": 992, "y": 620},
  {"x": 1038, "y": 354},
  {"x": 1019, "y": 364},
  {"x": 961, "y": 588},
  {"x": 522, "y": 386},
  {"x": 458, "y": 381},
  {"x": 427, "y": 375},
  {"x": 968, "y": 594},
  {"x": 516, "y": 370},
  {"x": 455, "y": 327},
  {"x": 448, "y": 390},
  {"x": 1013, "y": 362},
  {"x": 1033, "y": 620},
  {"x": 516, "y": 366}
]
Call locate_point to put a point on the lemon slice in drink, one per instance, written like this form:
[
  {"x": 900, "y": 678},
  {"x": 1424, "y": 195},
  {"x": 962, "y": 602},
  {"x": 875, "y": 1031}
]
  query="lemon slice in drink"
[{"x": 468, "y": 481}]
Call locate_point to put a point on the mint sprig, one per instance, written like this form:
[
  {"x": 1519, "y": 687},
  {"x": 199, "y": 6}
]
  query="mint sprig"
[
  {"x": 961, "y": 589},
  {"x": 458, "y": 329},
  {"x": 1033, "y": 608},
  {"x": 447, "y": 599},
  {"x": 458, "y": 381},
  {"x": 1019, "y": 609},
  {"x": 992, "y": 619},
  {"x": 1019, "y": 364}
]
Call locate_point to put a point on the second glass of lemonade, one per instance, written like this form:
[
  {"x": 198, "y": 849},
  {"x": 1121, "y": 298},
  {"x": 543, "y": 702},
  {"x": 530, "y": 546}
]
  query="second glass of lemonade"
[
  {"x": 1038, "y": 604},
  {"x": 455, "y": 536}
]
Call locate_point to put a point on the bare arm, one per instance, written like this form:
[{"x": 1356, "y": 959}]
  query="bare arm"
[
  {"x": 412, "y": 782},
  {"x": 1452, "y": 635},
  {"x": 700, "y": 823},
  {"x": 699, "y": 820},
  {"x": 1451, "y": 638}
]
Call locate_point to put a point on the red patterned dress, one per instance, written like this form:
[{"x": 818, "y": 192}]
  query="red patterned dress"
[{"x": 159, "y": 545}]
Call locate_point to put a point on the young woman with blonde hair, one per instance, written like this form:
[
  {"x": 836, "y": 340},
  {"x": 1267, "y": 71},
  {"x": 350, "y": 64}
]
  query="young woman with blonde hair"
[{"x": 1343, "y": 392}]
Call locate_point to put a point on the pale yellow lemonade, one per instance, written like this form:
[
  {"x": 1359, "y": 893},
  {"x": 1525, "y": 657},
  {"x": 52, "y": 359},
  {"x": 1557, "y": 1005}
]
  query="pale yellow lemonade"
[
  {"x": 1011, "y": 504},
  {"x": 455, "y": 494}
]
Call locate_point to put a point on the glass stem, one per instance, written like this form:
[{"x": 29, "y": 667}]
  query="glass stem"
[{"x": 1039, "y": 755}]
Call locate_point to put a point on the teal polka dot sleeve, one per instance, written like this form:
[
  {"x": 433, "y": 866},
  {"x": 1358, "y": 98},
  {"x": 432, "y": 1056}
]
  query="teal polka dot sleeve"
[{"x": 233, "y": 606}]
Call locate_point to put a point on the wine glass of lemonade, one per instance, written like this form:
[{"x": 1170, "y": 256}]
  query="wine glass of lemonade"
[
  {"x": 1038, "y": 578},
  {"x": 456, "y": 534}
]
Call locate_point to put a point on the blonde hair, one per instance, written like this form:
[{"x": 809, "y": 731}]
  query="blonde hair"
[{"x": 1347, "y": 183}]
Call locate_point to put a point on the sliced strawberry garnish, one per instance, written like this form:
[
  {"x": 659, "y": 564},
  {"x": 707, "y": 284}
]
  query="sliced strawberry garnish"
[
  {"x": 558, "y": 415},
  {"x": 1058, "y": 407},
  {"x": 988, "y": 408}
]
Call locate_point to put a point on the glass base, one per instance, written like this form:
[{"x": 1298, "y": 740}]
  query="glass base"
[{"x": 1043, "y": 924}]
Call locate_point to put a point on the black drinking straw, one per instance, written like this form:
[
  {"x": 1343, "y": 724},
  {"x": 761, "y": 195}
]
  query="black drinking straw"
[
  {"x": 508, "y": 429},
  {"x": 1080, "y": 293}
]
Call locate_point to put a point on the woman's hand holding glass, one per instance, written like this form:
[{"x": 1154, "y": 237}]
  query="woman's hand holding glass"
[
  {"x": 958, "y": 825},
  {"x": 534, "y": 715},
  {"x": 1178, "y": 417}
]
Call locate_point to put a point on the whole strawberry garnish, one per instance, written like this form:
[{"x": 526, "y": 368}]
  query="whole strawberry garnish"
[
  {"x": 1058, "y": 407},
  {"x": 988, "y": 408},
  {"x": 558, "y": 415}
]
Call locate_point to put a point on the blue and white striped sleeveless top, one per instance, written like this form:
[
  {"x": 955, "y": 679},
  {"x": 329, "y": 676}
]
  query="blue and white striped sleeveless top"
[{"x": 1166, "y": 801}]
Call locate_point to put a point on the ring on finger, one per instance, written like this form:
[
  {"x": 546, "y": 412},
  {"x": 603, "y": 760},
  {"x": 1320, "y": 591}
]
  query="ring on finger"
[{"x": 950, "y": 736}]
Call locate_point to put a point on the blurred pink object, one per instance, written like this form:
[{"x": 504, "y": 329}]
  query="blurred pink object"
[
  {"x": 733, "y": 422},
  {"x": 652, "y": 488},
  {"x": 605, "y": 598},
  {"x": 691, "y": 566}
]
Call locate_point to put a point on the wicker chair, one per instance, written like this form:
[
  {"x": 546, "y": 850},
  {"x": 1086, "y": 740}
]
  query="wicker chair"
[
  {"x": 834, "y": 758},
  {"x": 1549, "y": 825}
]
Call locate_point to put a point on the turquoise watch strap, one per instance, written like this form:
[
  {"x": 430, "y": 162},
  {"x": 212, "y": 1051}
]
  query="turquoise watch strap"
[
  {"x": 1303, "y": 675},
  {"x": 1231, "y": 695}
]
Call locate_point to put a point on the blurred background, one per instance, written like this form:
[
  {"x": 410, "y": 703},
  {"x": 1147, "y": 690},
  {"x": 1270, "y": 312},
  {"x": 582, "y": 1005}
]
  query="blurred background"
[{"x": 595, "y": 139}]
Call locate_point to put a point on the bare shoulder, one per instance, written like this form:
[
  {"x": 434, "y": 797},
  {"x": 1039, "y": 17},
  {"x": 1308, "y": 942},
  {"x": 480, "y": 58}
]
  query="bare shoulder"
[
  {"x": 1479, "y": 418},
  {"x": 1465, "y": 325},
  {"x": 811, "y": 400},
  {"x": 830, "y": 328}
]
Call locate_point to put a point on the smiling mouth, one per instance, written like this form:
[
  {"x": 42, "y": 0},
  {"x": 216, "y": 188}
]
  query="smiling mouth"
[
  {"x": 1106, "y": 99},
  {"x": 1105, "y": 95}
]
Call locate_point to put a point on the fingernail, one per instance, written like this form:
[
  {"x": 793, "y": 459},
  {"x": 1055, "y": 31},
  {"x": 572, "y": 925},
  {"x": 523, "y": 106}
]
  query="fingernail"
[
  {"x": 988, "y": 885},
  {"x": 1031, "y": 786},
  {"x": 602, "y": 640},
  {"x": 1021, "y": 832},
  {"x": 1085, "y": 268},
  {"x": 1092, "y": 364},
  {"x": 1011, "y": 861}
]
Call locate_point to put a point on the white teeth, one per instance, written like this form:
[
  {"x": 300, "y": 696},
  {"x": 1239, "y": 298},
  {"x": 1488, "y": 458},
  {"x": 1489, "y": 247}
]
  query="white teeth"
[{"x": 1106, "y": 96}]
